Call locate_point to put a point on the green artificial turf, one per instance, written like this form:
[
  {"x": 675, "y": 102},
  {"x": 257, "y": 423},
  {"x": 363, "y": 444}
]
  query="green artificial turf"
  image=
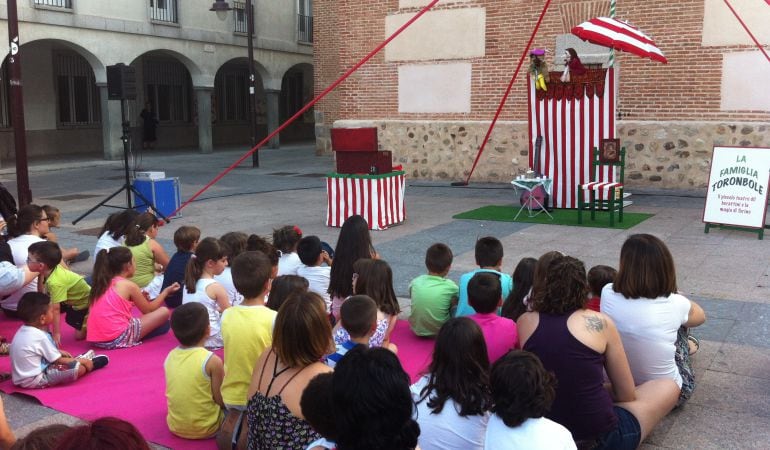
[{"x": 505, "y": 213}]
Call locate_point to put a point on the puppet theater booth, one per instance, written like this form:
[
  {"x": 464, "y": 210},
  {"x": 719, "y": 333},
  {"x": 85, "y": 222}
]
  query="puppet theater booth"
[
  {"x": 572, "y": 118},
  {"x": 365, "y": 182}
]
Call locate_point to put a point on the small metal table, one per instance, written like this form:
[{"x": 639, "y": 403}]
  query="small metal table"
[{"x": 532, "y": 204}]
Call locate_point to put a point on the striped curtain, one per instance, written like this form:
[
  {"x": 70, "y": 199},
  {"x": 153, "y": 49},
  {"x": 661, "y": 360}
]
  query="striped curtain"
[
  {"x": 571, "y": 127},
  {"x": 379, "y": 199}
]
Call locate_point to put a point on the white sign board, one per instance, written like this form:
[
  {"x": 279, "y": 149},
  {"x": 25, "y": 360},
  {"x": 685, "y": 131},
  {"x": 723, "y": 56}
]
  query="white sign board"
[{"x": 737, "y": 190}]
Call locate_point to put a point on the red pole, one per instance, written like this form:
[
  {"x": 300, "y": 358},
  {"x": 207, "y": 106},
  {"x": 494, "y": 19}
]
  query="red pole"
[
  {"x": 17, "y": 107},
  {"x": 759, "y": 46},
  {"x": 507, "y": 92},
  {"x": 299, "y": 113}
]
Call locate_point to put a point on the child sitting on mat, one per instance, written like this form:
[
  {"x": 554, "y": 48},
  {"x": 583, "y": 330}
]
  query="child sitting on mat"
[
  {"x": 598, "y": 277},
  {"x": 69, "y": 291},
  {"x": 69, "y": 255},
  {"x": 433, "y": 294},
  {"x": 489, "y": 257},
  {"x": 500, "y": 333},
  {"x": 110, "y": 321},
  {"x": 193, "y": 377},
  {"x": 35, "y": 360},
  {"x": 201, "y": 287},
  {"x": 285, "y": 239},
  {"x": 247, "y": 328},
  {"x": 316, "y": 268},
  {"x": 186, "y": 239},
  {"x": 522, "y": 393},
  {"x": 358, "y": 316}
]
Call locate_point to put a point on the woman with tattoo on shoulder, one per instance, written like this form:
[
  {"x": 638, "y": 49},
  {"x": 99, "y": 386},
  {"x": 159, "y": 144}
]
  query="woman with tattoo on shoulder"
[{"x": 578, "y": 345}]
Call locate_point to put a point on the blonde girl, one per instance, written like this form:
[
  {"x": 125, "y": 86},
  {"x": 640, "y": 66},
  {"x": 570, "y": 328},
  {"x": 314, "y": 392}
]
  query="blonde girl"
[{"x": 209, "y": 261}]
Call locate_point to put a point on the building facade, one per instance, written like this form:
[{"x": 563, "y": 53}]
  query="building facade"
[
  {"x": 434, "y": 90},
  {"x": 191, "y": 66}
]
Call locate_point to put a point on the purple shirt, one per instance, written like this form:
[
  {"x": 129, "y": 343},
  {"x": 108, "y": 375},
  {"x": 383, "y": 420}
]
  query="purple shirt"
[{"x": 499, "y": 332}]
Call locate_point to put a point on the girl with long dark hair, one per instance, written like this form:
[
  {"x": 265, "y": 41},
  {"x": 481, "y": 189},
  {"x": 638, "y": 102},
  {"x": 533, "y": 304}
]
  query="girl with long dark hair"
[
  {"x": 453, "y": 397},
  {"x": 353, "y": 243}
]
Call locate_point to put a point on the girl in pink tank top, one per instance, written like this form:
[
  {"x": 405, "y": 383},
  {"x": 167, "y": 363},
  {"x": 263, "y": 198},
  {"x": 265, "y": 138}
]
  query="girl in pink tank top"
[{"x": 111, "y": 322}]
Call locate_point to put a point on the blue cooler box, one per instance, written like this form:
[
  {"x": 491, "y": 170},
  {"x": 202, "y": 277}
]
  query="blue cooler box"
[{"x": 163, "y": 192}]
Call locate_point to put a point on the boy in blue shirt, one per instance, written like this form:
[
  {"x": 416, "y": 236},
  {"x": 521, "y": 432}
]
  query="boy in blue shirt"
[
  {"x": 358, "y": 316},
  {"x": 489, "y": 258}
]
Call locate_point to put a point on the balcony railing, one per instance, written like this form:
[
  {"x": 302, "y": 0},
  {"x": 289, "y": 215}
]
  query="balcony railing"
[
  {"x": 304, "y": 28},
  {"x": 241, "y": 22},
  {"x": 55, "y": 3},
  {"x": 164, "y": 11}
]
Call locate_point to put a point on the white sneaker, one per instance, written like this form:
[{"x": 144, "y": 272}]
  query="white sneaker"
[{"x": 87, "y": 355}]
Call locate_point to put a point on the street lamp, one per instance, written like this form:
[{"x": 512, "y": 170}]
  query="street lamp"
[{"x": 221, "y": 7}]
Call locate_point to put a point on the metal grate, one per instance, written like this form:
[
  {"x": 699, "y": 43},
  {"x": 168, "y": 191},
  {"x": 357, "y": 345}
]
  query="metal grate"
[
  {"x": 55, "y": 3},
  {"x": 304, "y": 28},
  {"x": 241, "y": 22},
  {"x": 164, "y": 11},
  {"x": 76, "y": 91},
  {"x": 167, "y": 87},
  {"x": 232, "y": 94}
]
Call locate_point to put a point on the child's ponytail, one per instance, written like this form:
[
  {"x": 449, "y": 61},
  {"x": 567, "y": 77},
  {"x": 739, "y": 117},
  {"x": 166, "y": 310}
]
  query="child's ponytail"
[
  {"x": 208, "y": 249},
  {"x": 109, "y": 263},
  {"x": 137, "y": 232}
]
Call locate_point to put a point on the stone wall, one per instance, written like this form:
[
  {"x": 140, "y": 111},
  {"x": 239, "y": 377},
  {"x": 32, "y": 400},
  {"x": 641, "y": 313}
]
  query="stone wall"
[{"x": 668, "y": 155}]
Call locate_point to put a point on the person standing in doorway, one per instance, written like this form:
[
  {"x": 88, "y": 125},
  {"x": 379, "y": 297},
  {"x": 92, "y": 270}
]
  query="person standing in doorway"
[{"x": 149, "y": 126}]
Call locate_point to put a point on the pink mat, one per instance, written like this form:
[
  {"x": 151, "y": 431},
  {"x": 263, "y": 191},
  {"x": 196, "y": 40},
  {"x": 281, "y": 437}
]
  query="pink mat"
[
  {"x": 414, "y": 352},
  {"x": 132, "y": 386}
]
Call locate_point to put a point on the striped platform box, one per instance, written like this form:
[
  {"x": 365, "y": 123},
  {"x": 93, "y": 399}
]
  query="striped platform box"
[{"x": 378, "y": 198}]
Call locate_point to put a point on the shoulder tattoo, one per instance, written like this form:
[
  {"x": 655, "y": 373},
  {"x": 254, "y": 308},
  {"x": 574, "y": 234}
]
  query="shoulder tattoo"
[{"x": 594, "y": 323}]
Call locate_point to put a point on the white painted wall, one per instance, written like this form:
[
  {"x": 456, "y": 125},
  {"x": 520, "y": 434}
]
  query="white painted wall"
[
  {"x": 38, "y": 88},
  {"x": 445, "y": 34},
  {"x": 435, "y": 88},
  {"x": 720, "y": 27},
  {"x": 745, "y": 78}
]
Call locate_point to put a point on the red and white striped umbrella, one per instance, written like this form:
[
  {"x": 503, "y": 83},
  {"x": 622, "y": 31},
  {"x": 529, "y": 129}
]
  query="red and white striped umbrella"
[{"x": 613, "y": 33}]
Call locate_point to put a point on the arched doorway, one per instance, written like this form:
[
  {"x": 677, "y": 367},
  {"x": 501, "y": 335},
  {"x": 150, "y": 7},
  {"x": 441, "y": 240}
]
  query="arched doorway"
[
  {"x": 164, "y": 84},
  {"x": 230, "y": 104},
  {"x": 62, "y": 103},
  {"x": 296, "y": 91}
]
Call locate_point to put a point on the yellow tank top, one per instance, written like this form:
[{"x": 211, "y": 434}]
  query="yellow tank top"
[
  {"x": 246, "y": 332},
  {"x": 192, "y": 412},
  {"x": 144, "y": 261}
]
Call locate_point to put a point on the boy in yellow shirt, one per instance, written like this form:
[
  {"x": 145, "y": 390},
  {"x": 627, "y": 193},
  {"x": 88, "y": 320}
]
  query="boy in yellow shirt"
[
  {"x": 69, "y": 292},
  {"x": 193, "y": 395}
]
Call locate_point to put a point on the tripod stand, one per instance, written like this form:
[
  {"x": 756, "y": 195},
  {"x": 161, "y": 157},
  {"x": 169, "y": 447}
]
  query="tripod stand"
[{"x": 126, "y": 138}]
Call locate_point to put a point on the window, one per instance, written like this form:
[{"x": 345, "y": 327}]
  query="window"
[
  {"x": 55, "y": 3},
  {"x": 76, "y": 93},
  {"x": 232, "y": 94},
  {"x": 163, "y": 11},
  {"x": 305, "y": 21},
  {"x": 167, "y": 87},
  {"x": 241, "y": 22}
]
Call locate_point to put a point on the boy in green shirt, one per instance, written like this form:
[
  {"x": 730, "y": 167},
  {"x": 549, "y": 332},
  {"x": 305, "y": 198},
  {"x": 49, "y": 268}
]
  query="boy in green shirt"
[
  {"x": 433, "y": 295},
  {"x": 64, "y": 287}
]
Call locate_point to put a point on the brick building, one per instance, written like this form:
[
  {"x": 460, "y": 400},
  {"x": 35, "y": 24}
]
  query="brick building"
[{"x": 434, "y": 90}]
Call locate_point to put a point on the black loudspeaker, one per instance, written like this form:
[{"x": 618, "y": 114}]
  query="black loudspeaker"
[{"x": 121, "y": 82}]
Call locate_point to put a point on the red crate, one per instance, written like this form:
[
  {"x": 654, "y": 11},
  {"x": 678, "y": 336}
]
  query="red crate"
[
  {"x": 354, "y": 139},
  {"x": 364, "y": 162}
]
